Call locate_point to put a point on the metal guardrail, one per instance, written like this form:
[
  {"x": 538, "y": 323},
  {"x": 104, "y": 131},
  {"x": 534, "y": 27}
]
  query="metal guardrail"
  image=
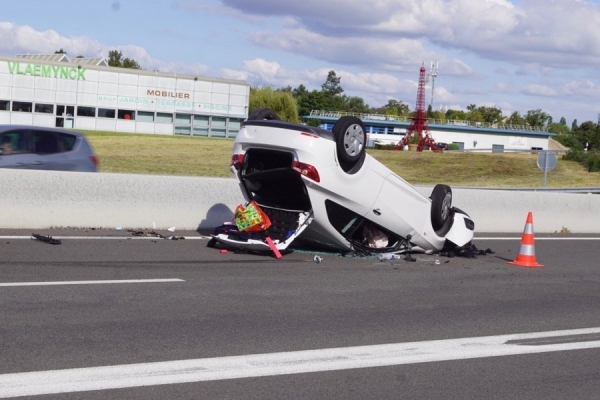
[{"x": 384, "y": 117}]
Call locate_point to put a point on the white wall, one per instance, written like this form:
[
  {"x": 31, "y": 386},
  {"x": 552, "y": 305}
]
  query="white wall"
[{"x": 45, "y": 199}]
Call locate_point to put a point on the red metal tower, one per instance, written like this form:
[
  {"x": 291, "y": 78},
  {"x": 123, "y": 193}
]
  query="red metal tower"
[{"x": 418, "y": 125}]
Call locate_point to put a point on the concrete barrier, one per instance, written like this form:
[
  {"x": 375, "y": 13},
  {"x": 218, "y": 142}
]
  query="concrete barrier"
[{"x": 48, "y": 199}]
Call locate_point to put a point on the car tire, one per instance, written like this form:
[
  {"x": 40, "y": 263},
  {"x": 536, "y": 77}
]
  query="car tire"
[
  {"x": 263, "y": 113},
  {"x": 441, "y": 209},
  {"x": 350, "y": 139}
]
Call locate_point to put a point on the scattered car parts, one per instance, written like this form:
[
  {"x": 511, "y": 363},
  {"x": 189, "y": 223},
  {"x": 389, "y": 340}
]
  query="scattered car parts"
[{"x": 46, "y": 239}]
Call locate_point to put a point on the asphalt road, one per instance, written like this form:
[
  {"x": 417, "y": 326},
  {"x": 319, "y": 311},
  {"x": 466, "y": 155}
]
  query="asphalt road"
[{"x": 117, "y": 300}]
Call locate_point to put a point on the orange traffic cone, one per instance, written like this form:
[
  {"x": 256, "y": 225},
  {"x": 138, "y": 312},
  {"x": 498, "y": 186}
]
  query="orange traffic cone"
[{"x": 526, "y": 256}]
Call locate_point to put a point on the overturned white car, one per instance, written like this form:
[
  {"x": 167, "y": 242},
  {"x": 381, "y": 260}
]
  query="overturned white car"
[{"x": 322, "y": 187}]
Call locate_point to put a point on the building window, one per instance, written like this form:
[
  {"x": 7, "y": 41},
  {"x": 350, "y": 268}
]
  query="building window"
[
  {"x": 69, "y": 111},
  {"x": 86, "y": 111},
  {"x": 497, "y": 148},
  {"x": 145, "y": 116},
  {"x": 218, "y": 127},
  {"x": 201, "y": 124},
  {"x": 183, "y": 124},
  {"x": 234, "y": 127},
  {"x": 64, "y": 116},
  {"x": 126, "y": 114},
  {"x": 21, "y": 106},
  {"x": 164, "y": 117},
  {"x": 106, "y": 113},
  {"x": 4, "y": 105},
  {"x": 44, "y": 108}
]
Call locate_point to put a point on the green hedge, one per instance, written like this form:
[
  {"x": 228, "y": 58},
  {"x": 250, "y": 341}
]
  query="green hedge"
[{"x": 589, "y": 159}]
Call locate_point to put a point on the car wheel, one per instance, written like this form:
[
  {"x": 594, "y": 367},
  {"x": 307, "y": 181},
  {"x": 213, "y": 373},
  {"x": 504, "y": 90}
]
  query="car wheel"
[
  {"x": 263, "y": 113},
  {"x": 350, "y": 139},
  {"x": 441, "y": 208}
]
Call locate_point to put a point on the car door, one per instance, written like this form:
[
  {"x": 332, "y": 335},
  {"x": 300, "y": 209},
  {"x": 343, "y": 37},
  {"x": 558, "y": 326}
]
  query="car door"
[
  {"x": 50, "y": 152},
  {"x": 401, "y": 208}
]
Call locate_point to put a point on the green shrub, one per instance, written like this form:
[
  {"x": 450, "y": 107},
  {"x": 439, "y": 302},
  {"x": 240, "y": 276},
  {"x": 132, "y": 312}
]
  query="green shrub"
[{"x": 590, "y": 160}]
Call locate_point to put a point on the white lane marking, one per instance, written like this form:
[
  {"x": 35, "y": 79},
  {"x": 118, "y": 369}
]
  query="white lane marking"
[
  {"x": 90, "y": 282},
  {"x": 109, "y": 237},
  {"x": 536, "y": 238},
  {"x": 295, "y": 362},
  {"x": 565, "y": 238}
]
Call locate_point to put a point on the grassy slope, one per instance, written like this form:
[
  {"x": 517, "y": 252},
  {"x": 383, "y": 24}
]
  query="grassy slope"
[{"x": 182, "y": 155}]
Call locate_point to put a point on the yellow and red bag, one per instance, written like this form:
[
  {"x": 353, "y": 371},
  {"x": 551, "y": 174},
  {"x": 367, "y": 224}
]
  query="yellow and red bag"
[{"x": 251, "y": 218}]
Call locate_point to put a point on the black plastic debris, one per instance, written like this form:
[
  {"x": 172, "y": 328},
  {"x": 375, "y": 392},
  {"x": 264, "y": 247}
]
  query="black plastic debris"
[
  {"x": 154, "y": 234},
  {"x": 46, "y": 239},
  {"x": 468, "y": 251}
]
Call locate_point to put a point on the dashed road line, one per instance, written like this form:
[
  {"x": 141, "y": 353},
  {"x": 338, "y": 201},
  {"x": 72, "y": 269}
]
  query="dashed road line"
[{"x": 100, "y": 282}]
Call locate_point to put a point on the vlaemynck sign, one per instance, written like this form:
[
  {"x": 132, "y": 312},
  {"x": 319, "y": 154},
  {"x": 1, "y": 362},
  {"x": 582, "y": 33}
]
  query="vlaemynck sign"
[{"x": 48, "y": 71}]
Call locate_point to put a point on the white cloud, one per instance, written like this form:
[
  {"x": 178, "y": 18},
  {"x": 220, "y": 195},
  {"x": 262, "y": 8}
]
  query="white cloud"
[{"x": 539, "y": 90}]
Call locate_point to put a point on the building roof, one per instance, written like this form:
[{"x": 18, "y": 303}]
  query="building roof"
[
  {"x": 61, "y": 57},
  {"x": 102, "y": 65},
  {"x": 90, "y": 61}
]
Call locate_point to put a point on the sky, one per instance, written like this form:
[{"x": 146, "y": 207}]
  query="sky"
[{"x": 516, "y": 55}]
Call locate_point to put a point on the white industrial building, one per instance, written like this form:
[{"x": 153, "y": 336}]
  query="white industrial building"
[
  {"x": 87, "y": 94},
  {"x": 468, "y": 136}
]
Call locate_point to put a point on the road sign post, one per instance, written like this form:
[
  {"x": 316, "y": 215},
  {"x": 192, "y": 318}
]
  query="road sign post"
[{"x": 546, "y": 162}]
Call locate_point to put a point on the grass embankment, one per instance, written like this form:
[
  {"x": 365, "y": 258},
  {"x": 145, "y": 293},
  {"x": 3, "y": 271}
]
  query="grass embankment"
[{"x": 191, "y": 156}]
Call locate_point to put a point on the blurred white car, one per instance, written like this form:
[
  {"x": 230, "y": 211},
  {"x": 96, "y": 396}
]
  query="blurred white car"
[{"x": 322, "y": 187}]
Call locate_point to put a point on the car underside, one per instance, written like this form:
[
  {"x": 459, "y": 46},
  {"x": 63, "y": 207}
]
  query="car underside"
[{"x": 309, "y": 192}]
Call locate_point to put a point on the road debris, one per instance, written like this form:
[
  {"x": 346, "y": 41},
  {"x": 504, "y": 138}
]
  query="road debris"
[
  {"x": 154, "y": 234},
  {"x": 46, "y": 239}
]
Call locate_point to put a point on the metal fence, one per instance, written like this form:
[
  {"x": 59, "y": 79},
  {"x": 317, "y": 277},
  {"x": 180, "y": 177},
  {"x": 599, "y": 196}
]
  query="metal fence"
[{"x": 395, "y": 118}]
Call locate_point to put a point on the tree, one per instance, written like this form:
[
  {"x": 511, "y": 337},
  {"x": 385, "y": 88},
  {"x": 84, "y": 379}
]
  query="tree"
[
  {"x": 515, "y": 119},
  {"x": 355, "y": 104},
  {"x": 475, "y": 116},
  {"x": 61, "y": 51},
  {"x": 563, "y": 121},
  {"x": 283, "y": 103},
  {"x": 332, "y": 87},
  {"x": 574, "y": 125},
  {"x": 115, "y": 59},
  {"x": 300, "y": 91},
  {"x": 490, "y": 115},
  {"x": 130, "y": 63},
  {"x": 394, "y": 107},
  {"x": 588, "y": 133},
  {"x": 558, "y": 129},
  {"x": 536, "y": 118},
  {"x": 315, "y": 100},
  {"x": 456, "y": 115}
]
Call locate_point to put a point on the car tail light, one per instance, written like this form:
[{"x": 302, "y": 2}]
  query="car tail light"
[
  {"x": 237, "y": 160},
  {"x": 94, "y": 160},
  {"x": 306, "y": 170}
]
